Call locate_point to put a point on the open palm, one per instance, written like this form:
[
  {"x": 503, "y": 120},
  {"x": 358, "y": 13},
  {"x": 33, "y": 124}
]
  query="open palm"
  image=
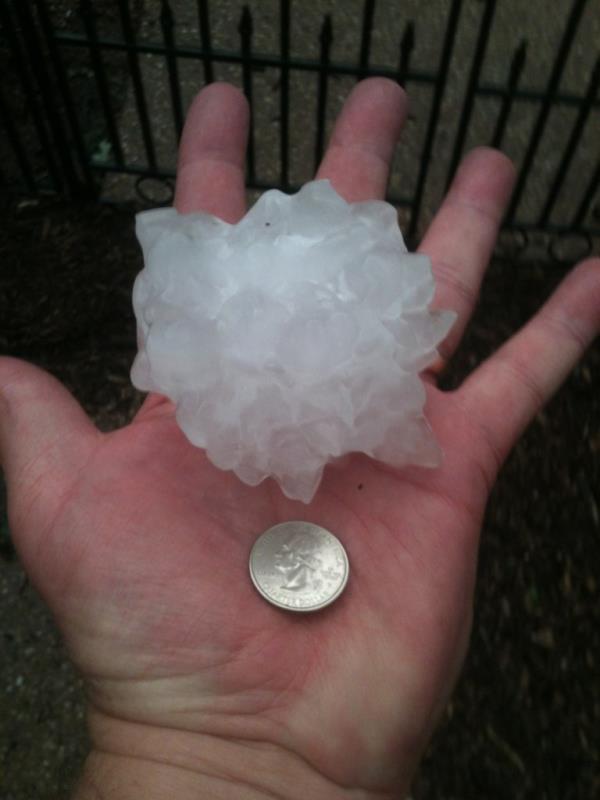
[{"x": 140, "y": 546}]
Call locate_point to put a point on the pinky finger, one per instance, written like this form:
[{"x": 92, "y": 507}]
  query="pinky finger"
[{"x": 504, "y": 394}]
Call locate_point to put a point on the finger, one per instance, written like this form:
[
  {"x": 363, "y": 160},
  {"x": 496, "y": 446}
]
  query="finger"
[
  {"x": 461, "y": 238},
  {"x": 45, "y": 439},
  {"x": 504, "y": 394},
  {"x": 357, "y": 160},
  {"x": 210, "y": 169}
]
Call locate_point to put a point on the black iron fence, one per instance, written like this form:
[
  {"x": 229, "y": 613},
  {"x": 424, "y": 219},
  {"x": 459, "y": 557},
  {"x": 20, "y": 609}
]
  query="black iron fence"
[{"x": 48, "y": 141}]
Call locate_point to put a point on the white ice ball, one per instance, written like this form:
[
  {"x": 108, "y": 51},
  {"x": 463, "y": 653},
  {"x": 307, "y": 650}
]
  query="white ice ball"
[{"x": 291, "y": 338}]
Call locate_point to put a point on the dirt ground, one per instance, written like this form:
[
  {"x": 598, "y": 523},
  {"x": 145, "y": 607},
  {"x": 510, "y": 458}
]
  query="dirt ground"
[{"x": 524, "y": 723}]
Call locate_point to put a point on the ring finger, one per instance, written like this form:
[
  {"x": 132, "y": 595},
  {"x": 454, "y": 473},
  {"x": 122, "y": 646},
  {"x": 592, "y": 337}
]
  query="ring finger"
[{"x": 462, "y": 236}]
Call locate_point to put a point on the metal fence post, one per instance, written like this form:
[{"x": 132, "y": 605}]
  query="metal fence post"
[
  {"x": 516, "y": 68},
  {"x": 88, "y": 15},
  {"x": 245, "y": 29},
  {"x": 326, "y": 39},
  {"x": 438, "y": 96},
  {"x": 205, "y": 38},
  {"x": 138, "y": 84},
  {"x": 61, "y": 162},
  {"x": 18, "y": 149},
  {"x": 582, "y": 117},
  {"x": 30, "y": 95},
  {"x": 407, "y": 45},
  {"x": 467, "y": 109},
  {"x": 91, "y": 188},
  {"x": 167, "y": 22},
  {"x": 551, "y": 89},
  {"x": 284, "y": 91}
]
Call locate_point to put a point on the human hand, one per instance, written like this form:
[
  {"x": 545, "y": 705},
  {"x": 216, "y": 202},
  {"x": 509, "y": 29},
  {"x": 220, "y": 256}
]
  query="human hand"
[{"x": 140, "y": 546}]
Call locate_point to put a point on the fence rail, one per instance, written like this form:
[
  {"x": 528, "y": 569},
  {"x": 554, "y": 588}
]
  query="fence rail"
[{"x": 38, "y": 53}]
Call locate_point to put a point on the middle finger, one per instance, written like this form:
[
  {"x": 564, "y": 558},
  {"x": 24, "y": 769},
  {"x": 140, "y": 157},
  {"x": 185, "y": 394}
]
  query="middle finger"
[{"x": 358, "y": 157}]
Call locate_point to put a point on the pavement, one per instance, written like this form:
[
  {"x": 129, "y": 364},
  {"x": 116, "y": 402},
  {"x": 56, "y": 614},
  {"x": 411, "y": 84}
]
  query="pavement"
[{"x": 513, "y": 22}]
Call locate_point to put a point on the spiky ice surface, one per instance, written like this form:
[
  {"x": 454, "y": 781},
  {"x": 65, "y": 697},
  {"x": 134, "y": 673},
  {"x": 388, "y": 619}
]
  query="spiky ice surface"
[{"x": 291, "y": 338}]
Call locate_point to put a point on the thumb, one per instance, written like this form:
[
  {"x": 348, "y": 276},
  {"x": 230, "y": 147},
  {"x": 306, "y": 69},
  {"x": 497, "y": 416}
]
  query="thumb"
[{"x": 45, "y": 440}]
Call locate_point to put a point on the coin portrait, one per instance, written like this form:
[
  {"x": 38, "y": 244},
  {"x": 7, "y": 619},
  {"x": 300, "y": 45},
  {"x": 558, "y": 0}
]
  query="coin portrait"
[
  {"x": 299, "y": 562},
  {"x": 299, "y": 566}
]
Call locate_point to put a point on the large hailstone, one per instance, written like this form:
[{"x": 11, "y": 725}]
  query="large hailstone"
[{"x": 291, "y": 338}]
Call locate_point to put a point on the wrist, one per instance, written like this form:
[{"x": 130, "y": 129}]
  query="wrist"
[{"x": 131, "y": 761}]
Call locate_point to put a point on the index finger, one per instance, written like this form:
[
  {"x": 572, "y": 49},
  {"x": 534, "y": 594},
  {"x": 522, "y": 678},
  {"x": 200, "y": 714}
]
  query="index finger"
[
  {"x": 210, "y": 168},
  {"x": 210, "y": 171}
]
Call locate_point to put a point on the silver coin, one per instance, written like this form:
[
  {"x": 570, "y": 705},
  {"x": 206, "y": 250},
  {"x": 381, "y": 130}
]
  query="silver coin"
[{"x": 299, "y": 566}]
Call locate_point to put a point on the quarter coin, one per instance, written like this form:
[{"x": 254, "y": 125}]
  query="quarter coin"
[{"x": 299, "y": 566}]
